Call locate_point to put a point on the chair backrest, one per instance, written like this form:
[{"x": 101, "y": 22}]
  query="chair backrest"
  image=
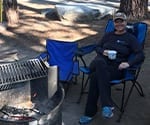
[
  {"x": 62, "y": 54},
  {"x": 139, "y": 30}
]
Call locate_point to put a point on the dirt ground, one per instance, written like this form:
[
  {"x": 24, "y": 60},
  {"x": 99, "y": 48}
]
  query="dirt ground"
[{"x": 28, "y": 38}]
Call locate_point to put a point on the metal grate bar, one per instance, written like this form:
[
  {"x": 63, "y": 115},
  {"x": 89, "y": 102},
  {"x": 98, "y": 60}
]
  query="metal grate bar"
[{"x": 12, "y": 73}]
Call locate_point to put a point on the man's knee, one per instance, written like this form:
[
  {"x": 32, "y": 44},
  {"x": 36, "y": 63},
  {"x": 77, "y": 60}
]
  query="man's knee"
[
  {"x": 100, "y": 61},
  {"x": 97, "y": 63}
]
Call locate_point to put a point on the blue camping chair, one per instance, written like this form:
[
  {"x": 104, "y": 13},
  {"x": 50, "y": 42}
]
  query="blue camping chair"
[
  {"x": 139, "y": 29},
  {"x": 62, "y": 54}
]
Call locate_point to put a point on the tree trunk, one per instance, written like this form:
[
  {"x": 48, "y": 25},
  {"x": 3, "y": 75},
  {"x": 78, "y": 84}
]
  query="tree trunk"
[
  {"x": 11, "y": 12},
  {"x": 135, "y": 9}
]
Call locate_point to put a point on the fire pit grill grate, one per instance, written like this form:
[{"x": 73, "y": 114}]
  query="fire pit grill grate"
[{"x": 12, "y": 73}]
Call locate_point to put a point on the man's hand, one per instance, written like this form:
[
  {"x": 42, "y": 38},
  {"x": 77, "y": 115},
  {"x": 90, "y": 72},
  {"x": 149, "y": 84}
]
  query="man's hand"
[
  {"x": 105, "y": 53},
  {"x": 123, "y": 65}
]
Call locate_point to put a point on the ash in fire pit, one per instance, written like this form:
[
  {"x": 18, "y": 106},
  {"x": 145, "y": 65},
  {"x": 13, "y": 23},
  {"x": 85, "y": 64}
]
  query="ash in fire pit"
[
  {"x": 10, "y": 113},
  {"x": 46, "y": 112}
]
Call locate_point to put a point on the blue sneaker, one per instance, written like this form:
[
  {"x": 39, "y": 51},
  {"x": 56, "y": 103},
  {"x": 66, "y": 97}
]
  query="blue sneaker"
[
  {"x": 107, "y": 112},
  {"x": 85, "y": 120}
]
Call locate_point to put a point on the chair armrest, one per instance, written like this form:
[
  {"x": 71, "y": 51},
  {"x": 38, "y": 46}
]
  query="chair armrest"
[
  {"x": 85, "y": 50},
  {"x": 43, "y": 56},
  {"x": 135, "y": 67},
  {"x": 132, "y": 72}
]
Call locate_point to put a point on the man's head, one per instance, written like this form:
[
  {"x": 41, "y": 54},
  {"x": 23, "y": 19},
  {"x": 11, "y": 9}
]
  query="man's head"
[
  {"x": 120, "y": 22},
  {"x": 120, "y": 16}
]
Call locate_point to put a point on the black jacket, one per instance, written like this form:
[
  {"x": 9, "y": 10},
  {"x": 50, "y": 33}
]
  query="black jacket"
[{"x": 125, "y": 45}]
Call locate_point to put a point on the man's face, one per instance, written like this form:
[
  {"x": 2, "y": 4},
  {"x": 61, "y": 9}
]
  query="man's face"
[{"x": 120, "y": 24}]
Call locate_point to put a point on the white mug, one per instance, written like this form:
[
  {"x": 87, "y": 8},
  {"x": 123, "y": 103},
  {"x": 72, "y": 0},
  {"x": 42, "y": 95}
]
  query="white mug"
[{"x": 112, "y": 54}]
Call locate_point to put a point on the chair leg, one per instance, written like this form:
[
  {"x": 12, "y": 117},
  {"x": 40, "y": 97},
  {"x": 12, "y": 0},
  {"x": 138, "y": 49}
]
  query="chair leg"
[
  {"x": 123, "y": 96},
  {"x": 126, "y": 101},
  {"x": 129, "y": 94},
  {"x": 65, "y": 87},
  {"x": 85, "y": 85},
  {"x": 139, "y": 89},
  {"x": 122, "y": 102},
  {"x": 75, "y": 80},
  {"x": 82, "y": 86}
]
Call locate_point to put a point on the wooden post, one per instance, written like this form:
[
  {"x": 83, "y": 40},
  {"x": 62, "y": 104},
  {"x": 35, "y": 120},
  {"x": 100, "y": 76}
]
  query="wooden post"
[
  {"x": 11, "y": 12},
  {"x": 1, "y": 11}
]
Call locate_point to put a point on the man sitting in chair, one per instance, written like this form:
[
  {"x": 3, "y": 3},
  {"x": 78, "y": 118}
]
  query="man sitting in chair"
[{"x": 112, "y": 57}]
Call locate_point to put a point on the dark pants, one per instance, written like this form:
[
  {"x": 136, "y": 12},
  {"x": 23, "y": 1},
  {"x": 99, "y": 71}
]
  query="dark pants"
[{"x": 102, "y": 71}]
